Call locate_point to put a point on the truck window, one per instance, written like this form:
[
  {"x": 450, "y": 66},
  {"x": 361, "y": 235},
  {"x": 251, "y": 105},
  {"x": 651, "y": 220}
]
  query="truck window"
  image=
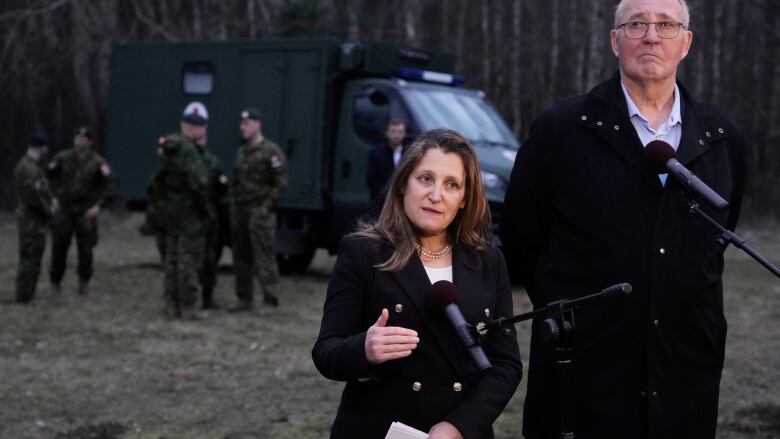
[
  {"x": 198, "y": 78},
  {"x": 372, "y": 110},
  {"x": 460, "y": 110}
]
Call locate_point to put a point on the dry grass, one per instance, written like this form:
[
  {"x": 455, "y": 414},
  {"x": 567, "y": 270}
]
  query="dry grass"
[{"x": 109, "y": 366}]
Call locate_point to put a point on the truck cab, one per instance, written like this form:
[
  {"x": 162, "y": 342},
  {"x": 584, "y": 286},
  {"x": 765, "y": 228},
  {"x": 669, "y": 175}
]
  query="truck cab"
[{"x": 325, "y": 102}]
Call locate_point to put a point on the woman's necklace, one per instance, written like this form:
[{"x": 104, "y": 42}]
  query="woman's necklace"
[{"x": 430, "y": 254}]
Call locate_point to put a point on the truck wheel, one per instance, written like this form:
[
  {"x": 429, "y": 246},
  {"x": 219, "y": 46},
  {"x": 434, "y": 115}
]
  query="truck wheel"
[{"x": 294, "y": 263}]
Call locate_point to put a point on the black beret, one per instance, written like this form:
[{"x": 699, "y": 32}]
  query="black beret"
[
  {"x": 250, "y": 113},
  {"x": 83, "y": 131},
  {"x": 38, "y": 138}
]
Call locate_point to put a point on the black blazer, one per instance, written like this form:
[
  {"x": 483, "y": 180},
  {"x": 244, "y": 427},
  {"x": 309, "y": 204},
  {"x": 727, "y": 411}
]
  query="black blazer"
[
  {"x": 450, "y": 387},
  {"x": 584, "y": 211}
]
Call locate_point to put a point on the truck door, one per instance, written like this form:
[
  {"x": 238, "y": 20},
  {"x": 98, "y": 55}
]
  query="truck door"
[
  {"x": 285, "y": 85},
  {"x": 367, "y": 106}
]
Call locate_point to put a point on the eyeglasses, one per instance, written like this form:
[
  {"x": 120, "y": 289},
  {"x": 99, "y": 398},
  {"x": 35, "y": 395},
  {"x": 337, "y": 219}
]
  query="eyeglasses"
[{"x": 664, "y": 29}]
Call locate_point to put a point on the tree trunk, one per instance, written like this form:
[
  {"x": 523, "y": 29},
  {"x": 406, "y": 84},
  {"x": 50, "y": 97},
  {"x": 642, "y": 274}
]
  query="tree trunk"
[
  {"x": 411, "y": 10},
  {"x": 555, "y": 42},
  {"x": 516, "y": 79},
  {"x": 460, "y": 33},
  {"x": 485, "y": 28},
  {"x": 597, "y": 32},
  {"x": 497, "y": 43}
]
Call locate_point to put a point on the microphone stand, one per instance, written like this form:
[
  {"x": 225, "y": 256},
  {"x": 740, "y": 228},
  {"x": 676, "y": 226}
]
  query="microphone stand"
[
  {"x": 557, "y": 332},
  {"x": 731, "y": 237}
]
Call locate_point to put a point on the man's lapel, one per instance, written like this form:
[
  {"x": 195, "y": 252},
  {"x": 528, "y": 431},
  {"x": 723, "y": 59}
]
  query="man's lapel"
[
  {"x": 696, "y": 134},
  {"x": 607, "y": 113}
]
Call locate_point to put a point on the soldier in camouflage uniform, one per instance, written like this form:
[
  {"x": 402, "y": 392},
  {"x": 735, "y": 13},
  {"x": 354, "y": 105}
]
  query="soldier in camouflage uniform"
[
  {"x": 155, "y": 211},
  {"x": 216, "y": 189},
  {"x": 35, "y": 208},
  {"x": 260, "y": 178},
  {"x": 82, "y": 181},
  {"x": 181, "y": 181}
]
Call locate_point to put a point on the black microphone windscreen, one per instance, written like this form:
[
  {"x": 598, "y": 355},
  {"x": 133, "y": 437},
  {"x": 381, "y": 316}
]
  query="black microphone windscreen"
[
  {"x": 442, "y": 293},
  {"x": 657, "y": 153}
]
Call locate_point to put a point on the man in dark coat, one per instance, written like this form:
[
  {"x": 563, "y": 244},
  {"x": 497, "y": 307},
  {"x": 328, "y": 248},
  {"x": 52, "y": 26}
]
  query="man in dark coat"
[
  {"x": 382, "y": 160},
  {"x": 584, "y": 210}
]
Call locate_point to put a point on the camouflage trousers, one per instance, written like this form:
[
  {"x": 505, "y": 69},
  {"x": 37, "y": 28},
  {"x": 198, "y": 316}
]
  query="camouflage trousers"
[
  {"x": 62, "y": 230},
  {"x": 208, "y": 270},
  {"x": 207, "y": 274},
  {"x": 183, "y": 258},
  {"x": 32, "y": 242},
  {"x": 253, "y": 231},
  {"x": 159, "y": 241}
]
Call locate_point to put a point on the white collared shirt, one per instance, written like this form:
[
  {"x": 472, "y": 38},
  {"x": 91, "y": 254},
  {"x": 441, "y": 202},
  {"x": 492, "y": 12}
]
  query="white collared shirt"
[
  {"x": 398, "y": 151},
  {"x": 670, "y": 131}
]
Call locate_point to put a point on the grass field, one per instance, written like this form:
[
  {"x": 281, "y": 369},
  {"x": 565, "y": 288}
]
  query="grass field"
[{"x": 110, "y": 366}]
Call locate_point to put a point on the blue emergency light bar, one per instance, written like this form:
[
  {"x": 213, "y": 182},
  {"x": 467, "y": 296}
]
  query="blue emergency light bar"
[{"x": 428, "y": 76}]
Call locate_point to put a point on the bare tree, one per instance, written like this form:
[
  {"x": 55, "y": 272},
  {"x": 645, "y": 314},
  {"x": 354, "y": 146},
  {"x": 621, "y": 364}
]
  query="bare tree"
[
  {"x": 527, "y": 54},
  {"x": 516, "y": 32}
]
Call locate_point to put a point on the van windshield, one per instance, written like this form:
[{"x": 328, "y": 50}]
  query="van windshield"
[{"x": 461, "y": 110}]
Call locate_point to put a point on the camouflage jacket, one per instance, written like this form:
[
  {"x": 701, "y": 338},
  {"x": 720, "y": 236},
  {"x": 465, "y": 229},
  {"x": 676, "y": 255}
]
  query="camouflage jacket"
[
  {"x": 178, "y": 187},
  {"x": 32, "y": 188},
  {"x": 79, "y": 181},
  {"x": 218, "y": 180},
  {"x": 260, "y": 174}
]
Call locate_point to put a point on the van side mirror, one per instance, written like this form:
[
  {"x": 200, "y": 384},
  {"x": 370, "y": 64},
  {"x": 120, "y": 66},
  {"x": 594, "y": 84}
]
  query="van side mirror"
[
  {"x": 379, "y": 98},
  {"x": 370, "y": 113}
]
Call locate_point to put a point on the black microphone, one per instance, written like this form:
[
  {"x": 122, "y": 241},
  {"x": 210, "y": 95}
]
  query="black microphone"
[
  {"x": 444, "y": 298},
  {"x": 663, "y": 158},
  {"x": 624, "y": 288}
]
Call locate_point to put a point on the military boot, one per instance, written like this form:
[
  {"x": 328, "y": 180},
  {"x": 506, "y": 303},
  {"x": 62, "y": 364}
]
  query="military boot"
[
  {"x": 171, "y": 309},
  {"x": 270, "y": 299},
  {"x": 84, "y": 287},
  {"x": 241, "y": 306},
  {"x": 191, "y": 312},
  {"x": 208, "y": 300}
]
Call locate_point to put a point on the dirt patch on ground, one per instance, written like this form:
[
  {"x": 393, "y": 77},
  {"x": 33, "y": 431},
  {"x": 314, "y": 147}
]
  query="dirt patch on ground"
[
  {"x": 109, "y": 430},
  {"x": 759, "y": 421},
  {"x": 110, "y": 366}
]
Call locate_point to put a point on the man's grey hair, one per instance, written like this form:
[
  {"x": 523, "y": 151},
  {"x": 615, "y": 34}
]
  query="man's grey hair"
[{"x": 686, "y": 18}]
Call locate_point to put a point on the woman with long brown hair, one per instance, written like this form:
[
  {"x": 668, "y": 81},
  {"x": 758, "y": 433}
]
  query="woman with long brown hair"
[{"x": 400, "y": 362}]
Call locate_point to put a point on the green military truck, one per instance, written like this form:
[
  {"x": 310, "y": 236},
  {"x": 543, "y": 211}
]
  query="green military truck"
[{"x": 324, "y": 101}]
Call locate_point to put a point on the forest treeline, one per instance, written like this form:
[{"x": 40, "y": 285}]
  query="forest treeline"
[{"x": 525, "y": 54}]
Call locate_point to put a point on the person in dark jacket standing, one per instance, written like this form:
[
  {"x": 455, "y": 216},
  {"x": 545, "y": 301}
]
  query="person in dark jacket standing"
[
  {"x": 584, "y": 210},
  {"x": 400, "y": 361},
  {"x": 82, "y": 181},
  {"x": 382, "y": 161},
  {"x": 34, "y": 211}
]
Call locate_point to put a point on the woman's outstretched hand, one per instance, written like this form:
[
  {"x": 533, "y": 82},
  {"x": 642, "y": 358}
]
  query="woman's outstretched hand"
[{"x": 384, "y": 343}]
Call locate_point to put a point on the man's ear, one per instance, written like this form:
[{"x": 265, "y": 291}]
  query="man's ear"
[{"x": 613, "y": 35}]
